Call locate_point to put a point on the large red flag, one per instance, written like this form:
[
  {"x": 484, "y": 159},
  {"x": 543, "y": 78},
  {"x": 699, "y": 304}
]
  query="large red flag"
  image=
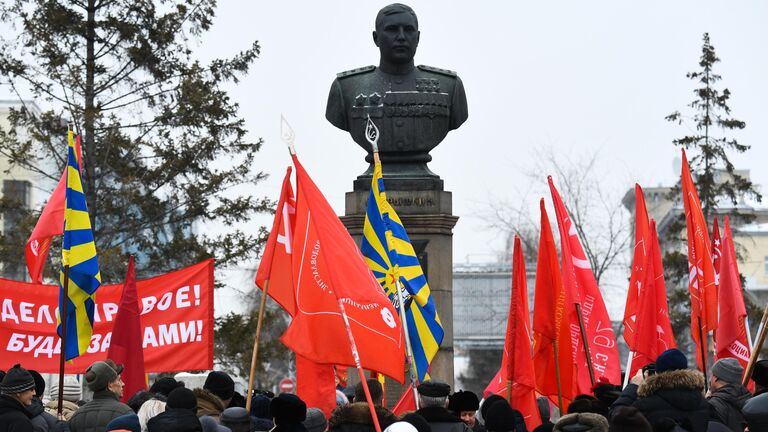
[
  {"x": 516, "y": 362},
  {"x": 328, "y": 268},
  {"x": 275, "y": 265},
  {"x": 641, "y": 254},
  {"x": 551, "y": 323},
  {"x": 701, "y": 272},
  {"x": 731, "y": 337},
  {"x": 580, "y": 283},
  {"x": 126, "y": 345},
  {"x": 50, "y": 223},
  {"x": 653, "y": 334}
]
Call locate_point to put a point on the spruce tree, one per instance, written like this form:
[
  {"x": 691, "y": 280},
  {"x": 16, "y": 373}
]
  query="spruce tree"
[{"x": 166, "y": 153}]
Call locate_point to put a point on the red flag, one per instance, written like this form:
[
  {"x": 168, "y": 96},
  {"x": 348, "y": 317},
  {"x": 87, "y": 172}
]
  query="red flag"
[
  {"x": 275, "y": 265},
  {"x": 50, "y": 223},
  {"x": 316, "y": 384},
  {"x": 639, "y": 267},
  {"x": 516, "y": 362},
  {"x": 653, "y": 334},
  {"x": 717, "y": 254},
  {"x": 580, "y": 283},
  {"x": 701, "y": 273},
  {"x": 551, "y": 323},
  {"x": 731, "y": 337},
  {"x": 328, "y": 268},
  {"x": 407, "y": 403},
  {"x": 126, "y": 345}
]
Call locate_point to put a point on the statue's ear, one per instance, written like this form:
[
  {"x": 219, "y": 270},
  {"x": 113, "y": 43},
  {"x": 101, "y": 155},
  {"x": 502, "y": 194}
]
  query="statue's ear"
[{"x": 375, "y": 38}]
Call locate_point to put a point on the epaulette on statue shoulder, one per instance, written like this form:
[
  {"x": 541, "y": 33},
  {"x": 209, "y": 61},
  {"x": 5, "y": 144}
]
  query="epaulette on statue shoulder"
[
  {"x": 358, "y": 71},
  {"x": 446, "y": 72}
]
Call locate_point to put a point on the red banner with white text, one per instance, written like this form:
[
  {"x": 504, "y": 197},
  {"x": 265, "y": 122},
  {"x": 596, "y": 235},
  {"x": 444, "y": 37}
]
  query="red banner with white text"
[{"x": 176, "y": 323}]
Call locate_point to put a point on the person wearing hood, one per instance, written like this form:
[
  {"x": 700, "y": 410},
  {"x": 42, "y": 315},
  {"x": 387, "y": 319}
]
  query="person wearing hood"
[
  {"x": 433, "y": 400},
  {"x": 180, "y": 414},
  {"x": 41, "y": 420},
  {"x": 727, "y": 395},
  {"x": 673, "y": 393},
  {"x": 17, "y": 389},
  {"x": 103, "y": 378},
  {"x": 71, "y": 395}
]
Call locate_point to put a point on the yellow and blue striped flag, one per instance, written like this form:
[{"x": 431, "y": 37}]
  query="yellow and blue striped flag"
[
  {"x": 390, "y": 255},
  {"x": 79, "y": 252}
]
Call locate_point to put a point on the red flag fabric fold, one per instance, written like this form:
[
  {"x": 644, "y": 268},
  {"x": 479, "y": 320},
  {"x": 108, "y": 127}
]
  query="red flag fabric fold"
[
  {"x": 126, "y": 345},
  {"x": 316, "y": 384},
  {"x": 275, "y": 264},
  {"x": 731, "y": 336},
  {"x": 701, "y": 273},
  {"x": 516, "y": 362},
  {"x": 327, "y": 267},
  {"x": 581, "y": 285},
  {"x": 654, "y": 331},
  {"x": 551, "y": 323},
  {"x": 407, "y": 403}
]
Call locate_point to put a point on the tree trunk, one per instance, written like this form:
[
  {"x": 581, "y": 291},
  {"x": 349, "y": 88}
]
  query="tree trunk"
[{"x": 89, "y": 115}]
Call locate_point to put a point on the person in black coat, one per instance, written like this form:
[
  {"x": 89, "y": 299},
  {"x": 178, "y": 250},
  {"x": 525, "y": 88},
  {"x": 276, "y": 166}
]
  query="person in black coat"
[
  {"x": 433, "y": 400},
  {"x": 16, "y": 392},
  {"x": 675, "y": 393},
  {"x": 180, "y": 414}
]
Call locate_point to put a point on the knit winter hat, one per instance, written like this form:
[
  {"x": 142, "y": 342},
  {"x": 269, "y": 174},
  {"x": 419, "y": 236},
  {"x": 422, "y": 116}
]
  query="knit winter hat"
[
  {"x": 101, "y": 373},
  {"x": 165, "y": 386},
  {"x": 39, "y": 383},
  {"x": 760, "y": 373},
  {"x": 728, "y": 370},
  {"x": 209, "y": 424},
  {"x": 487, "y": 402},
  {"x": 287, "y": 408},
  {"x": 629, "y": 419},
  {"x": 500, "y": 417},
  {"x": 17, "y": 380},
  {"x": 183, "y": 398},
  {"x": 71, "y": 389},
  {"x": 315, "y": 421},
  {"x": 260, "y": 406},
  {"x": 125, "y": 423},
  {"x": 220, "y": 384},
  {"x": 670, "y": 360},
  {"x": 582, "y": 422},
  {"x": 238, "y": 419}
]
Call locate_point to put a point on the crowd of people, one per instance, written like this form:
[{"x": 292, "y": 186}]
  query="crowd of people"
[{"x": 665, "y": 396}]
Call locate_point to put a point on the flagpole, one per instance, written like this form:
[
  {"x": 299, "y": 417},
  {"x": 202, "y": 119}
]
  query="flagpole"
[
  {"x": 255, "y": 354},
  {"x": 62, "y": 357},
  {"x": 557, "y": 377},
  {"x": 703, "y": 352},
  {"x": 749, "y": 332},
  {"x": 358, "y": 365},
  {"x": 757, "y": 347},
  {"x": 586, "y": 345},
  {"x": 628, "y": 368},
  {"x": 372, "y": 135}
]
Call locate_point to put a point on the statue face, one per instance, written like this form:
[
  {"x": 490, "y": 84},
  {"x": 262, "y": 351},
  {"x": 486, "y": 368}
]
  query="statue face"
[{"x": 397, "y": 38}]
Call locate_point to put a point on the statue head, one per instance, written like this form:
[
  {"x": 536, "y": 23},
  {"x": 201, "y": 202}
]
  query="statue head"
[{"x": 396, "y": 34}]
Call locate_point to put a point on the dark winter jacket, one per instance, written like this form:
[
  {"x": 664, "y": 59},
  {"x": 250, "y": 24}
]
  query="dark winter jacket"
[
  {"x": 13, "y": 416},
  {"x": 676, "y": 395},
  {"x": 356, "y": 417},
  {"x": 175, "y": 420},
  {"x": 726, "y": 403},
  {"x": 42, "y": 421},
  {"x": 441, "y": 420},
  {"x": 96, "y": 414},
  {"x": 208, "y": 404},
  {"x": 478, "y": 427},
  {"x": 261, "y": 424}
]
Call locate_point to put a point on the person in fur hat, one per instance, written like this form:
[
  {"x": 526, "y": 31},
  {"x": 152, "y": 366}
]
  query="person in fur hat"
[
  {"x": 581, "y": 422},
  {"x": 675, "y": 393},
  {"x": 464, "y": 404},
  {"x": 288, "y": 412},
  {"x": 356, "y": 417}
]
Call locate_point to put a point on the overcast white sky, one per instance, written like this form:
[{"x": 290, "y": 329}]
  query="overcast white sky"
[{"x": 573, "y": 76}]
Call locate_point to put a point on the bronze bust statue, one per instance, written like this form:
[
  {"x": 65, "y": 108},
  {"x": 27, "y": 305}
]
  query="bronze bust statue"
[{"x": 414, "y": 107}]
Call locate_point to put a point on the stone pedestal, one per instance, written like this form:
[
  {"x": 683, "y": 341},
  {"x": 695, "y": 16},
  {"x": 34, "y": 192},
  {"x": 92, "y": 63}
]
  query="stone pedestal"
[{"x": 425, "y": 210}]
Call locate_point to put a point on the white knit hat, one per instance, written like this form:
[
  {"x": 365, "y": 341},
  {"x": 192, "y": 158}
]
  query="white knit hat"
[{"x": 71, "y": 389}]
